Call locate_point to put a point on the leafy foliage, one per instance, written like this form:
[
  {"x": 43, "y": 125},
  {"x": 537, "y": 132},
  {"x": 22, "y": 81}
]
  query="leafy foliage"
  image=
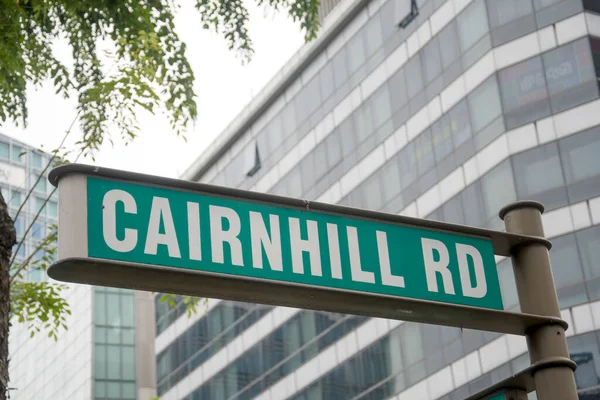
[
  {"x": 148, "y": 67},
  {"x": 40, "y": 306},
  {"x": 189, "y": 302}
]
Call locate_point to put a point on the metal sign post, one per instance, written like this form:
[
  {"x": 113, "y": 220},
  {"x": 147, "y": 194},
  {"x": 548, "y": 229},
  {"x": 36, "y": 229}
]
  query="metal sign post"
[
  {"x": 144, "y": 232},
  {"x": 547, "y": 343}
]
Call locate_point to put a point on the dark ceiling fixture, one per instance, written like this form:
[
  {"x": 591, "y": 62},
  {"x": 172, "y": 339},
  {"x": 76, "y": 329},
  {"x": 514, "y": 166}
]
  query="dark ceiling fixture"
[
  {"x": 257, "y": 163},
  {"x": 414, "y": 11}
]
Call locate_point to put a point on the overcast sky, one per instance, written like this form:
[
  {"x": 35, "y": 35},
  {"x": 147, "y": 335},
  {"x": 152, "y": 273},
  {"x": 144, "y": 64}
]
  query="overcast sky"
[{"x": 223, "y": 87}]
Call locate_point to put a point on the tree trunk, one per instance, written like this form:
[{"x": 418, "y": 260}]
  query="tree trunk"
[{"x": 8, "y": 238}]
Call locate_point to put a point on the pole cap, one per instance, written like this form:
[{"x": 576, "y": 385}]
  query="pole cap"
[{"x": 520, "y": 204}]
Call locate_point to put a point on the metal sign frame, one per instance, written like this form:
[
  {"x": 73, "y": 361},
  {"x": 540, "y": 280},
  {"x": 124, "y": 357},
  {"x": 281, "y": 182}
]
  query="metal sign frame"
[{"x": 75, "y": 266}]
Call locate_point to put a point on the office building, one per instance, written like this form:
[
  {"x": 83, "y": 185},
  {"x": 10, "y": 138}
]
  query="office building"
[
  {"x": 439, "y": 109},
  {"x": 107, "y": 351}
]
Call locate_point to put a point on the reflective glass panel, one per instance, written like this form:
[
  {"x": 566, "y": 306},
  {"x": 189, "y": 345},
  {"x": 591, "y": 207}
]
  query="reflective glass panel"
[
  {"x": 472, "y": 24},
  {"x": 484, "y": 104},
  {"x": 524, "y": 92},
  {"x": 570, "y": 75}
]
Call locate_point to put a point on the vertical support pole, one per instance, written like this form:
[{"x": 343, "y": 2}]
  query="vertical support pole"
[
  {"x": 145, "y": 358},
  {"x": 537, "y": 295}
]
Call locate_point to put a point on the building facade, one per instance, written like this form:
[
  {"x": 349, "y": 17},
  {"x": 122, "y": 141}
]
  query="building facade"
[
  {"x": 439, "y": 109},
  {"x": 106, "y": 353}
]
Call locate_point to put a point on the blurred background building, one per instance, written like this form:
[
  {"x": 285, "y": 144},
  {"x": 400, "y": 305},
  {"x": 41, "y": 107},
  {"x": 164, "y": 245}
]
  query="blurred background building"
[
  {"x": 108, "y": 328},
  {"x": 440, "y": 109}
]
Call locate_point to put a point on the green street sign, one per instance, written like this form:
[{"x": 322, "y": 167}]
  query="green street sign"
[
  {"x": 132, "y": 230},
  {"x": 150, "y": 225}
]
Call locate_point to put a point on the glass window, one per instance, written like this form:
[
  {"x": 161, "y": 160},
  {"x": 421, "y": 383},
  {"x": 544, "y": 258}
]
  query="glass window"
[
  {"x": 113, "y": 390},
  {"x": 539, "y": 4},
  {"x": 472, "y": 24},
  {"x": 36, "y": 159},
  {"x": 356, "y": 53},
  {"x": 21, "y": 251},
  {"x": 505, "y": 11},
  {"x": 398, "y": 90},
  {"x": 273, "y": 137},
  {"x": 308, "y": 100},
  {"x": 538, "y": 175},
  {"x": 524, "y": 93},
  {"x": 391, "y": 177},
  {"x": 412, "y": 343},
  {"x": 591, "y": 5},
  {"x": 307, "y": 171},
  {"x": 363, "y": 122},
  {"x": 127, "y": 318},
  {"x": 589, "y": 247},
  {"x": 326, "y": 80},
  {"x": 15, "y": 199},
  {"x": 113, "y": 315},
  {"x": 347, "y": 136},
  {"x": 39, "y": 205},
  {"x": 498, "y": 189},
  {"x": 484, "y": 104},
  {"x": 425, "y": 159},
  {"x": 372, "y": 192},
  {"x": 99, "y": 334},
  {"x": 100, "y": 308},
  {"x": 408, "y": 164},
  {"x": 128, "y": 336},
  {"x": 442, "y": 138},
  {"x": 113, "y": 362},
  {"x": 432, "y": 64},
  {"x": 20, "y": 226},
  {"x": 414, "y": 75},
  {"x": 334, "y": 149},
  {"x": 340, "y": 68},
  {"x": 382, "y": 110},
  {"x": 570, "y": 75},
  {"x": 472, "y": 199},
  {"x": 17, "y": 153},
  {"x": 40, "y": 186},
  {"x": 508, "y": 287},
  {"x": 52, "y": 209},
  {"x": 373, "y": 35},
  {"x": 128, "y": 355},
  {"x": 128, "y": 390},
  {"x": 567, "y": 271},
  {"x": 100, "y": 390},
  {"x": 37, "y": 230},
  {"x": 584, "y": 351},
  {"x": 449, "y": 44},
  {"x": 283, "y": 343},
  {"x": 35, "y": 274},
  {"x": 289, "y": 119},
  {"x": 294, "y": 183},
  {"x": 4, "y": 150},
  {"x": 595, "y": 45},
  {"x": 459, "y": 123},
  {"x": 453, "y": 211},
  {"x": 320, "y": 161},
  {"x": 579, "y": 155},
  {"x": 100, "y": 361}
]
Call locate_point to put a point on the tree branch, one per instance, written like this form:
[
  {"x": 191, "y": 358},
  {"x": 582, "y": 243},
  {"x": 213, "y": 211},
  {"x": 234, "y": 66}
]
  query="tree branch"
[
  {"x": 47, "y": 166},
  {"x": 25, "y": 263}
]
